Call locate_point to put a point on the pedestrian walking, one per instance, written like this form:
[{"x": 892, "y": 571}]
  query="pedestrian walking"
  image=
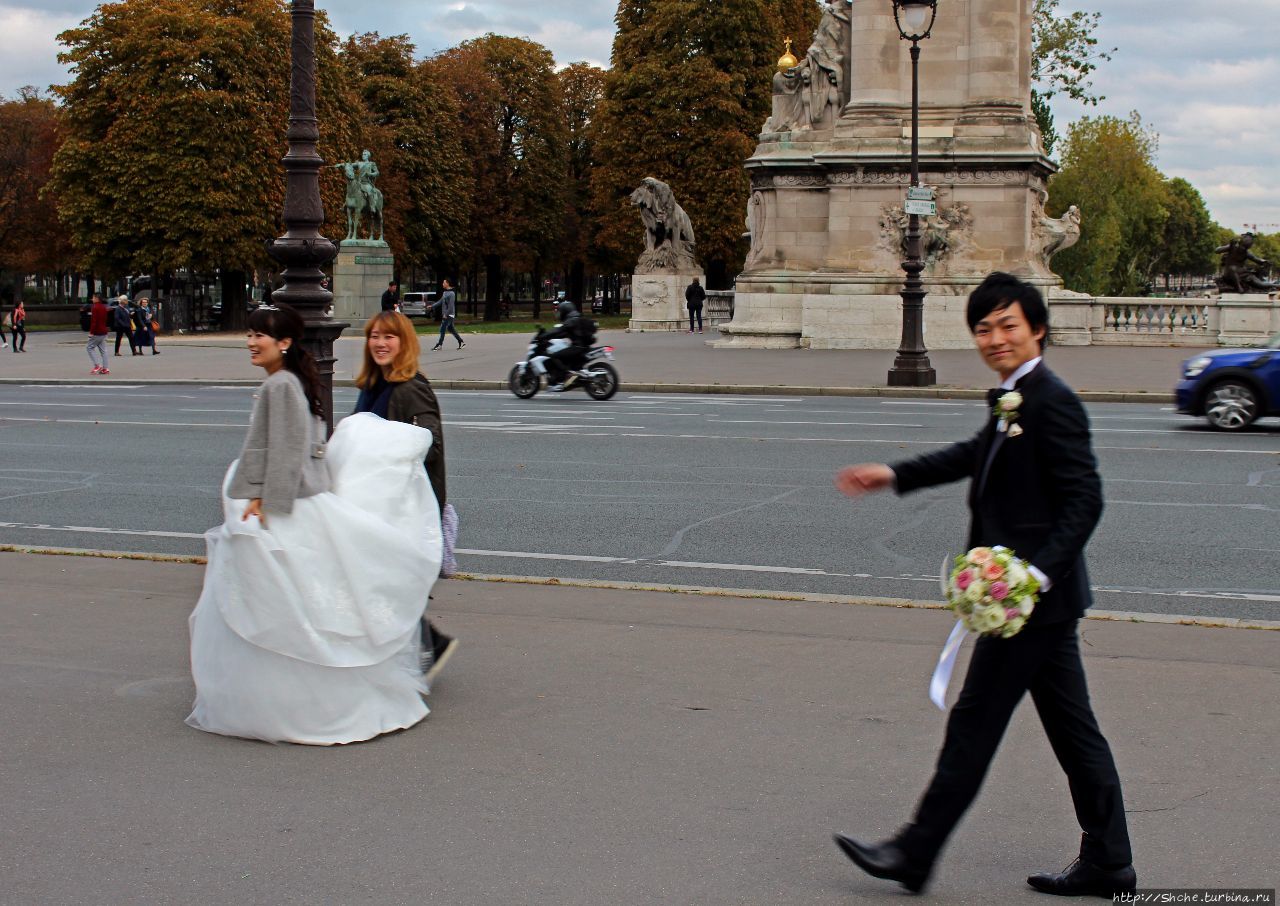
[
  {"x": 448, "y": 305},
  {"x": 124, "y": 324},
  {"x": 4, "y": 326},
  {"x": 392, "y": 387},
  {"x": 391, "y": 297},
  {"x": 307, "y": 626},
  {"x": 694, "y": 296},
  {"x": 1035, "y": 490},
  {"x": 99, "y": 357},
  {"x": 18, "y": 323},
  {"x": 147, "y": 326}
]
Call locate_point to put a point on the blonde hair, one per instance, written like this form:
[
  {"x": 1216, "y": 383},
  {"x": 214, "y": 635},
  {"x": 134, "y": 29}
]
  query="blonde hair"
[{"x": 405, "y": 365}]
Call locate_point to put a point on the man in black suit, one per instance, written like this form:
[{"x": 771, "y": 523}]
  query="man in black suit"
[{"x": 1035, "y": 490}]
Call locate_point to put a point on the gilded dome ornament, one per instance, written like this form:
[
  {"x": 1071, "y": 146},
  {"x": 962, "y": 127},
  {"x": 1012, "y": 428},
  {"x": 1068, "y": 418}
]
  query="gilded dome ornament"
[{"x": 788, "y": 59}]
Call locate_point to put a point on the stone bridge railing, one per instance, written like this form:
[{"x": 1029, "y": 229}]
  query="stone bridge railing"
[{"x": 1226, "y": 320}]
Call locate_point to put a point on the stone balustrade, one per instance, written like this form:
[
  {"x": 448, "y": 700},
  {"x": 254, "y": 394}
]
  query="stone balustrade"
[{"x": 1217, "y": 320}]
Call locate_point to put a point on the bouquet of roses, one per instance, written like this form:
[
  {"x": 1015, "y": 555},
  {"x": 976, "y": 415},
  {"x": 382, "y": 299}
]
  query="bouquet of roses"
[{"x": 991, "y": 591}]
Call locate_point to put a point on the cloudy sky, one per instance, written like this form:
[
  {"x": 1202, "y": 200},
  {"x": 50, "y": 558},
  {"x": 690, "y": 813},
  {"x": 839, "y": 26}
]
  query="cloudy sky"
[{"x": 1204, "y": 75}]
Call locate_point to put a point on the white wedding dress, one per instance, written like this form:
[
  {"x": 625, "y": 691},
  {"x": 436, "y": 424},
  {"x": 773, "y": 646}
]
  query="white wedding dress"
[{"x": 307, "y": 629}]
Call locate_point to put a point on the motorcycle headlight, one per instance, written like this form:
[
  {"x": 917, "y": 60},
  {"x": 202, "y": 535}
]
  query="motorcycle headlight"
[{"x": 1196, "y": 367}]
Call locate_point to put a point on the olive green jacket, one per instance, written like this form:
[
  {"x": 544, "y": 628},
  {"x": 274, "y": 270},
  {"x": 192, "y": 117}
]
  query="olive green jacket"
[{"x": 414, "y": 402}]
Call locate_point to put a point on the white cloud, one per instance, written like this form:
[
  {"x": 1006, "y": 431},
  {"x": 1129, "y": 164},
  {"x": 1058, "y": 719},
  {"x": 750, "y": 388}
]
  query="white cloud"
[{"x": 30, "y": 55}]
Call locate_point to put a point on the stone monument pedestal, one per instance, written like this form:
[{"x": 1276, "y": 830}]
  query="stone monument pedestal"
[
  {"x": 361, "y": 273},
  {"x": 657, "y": 301}
]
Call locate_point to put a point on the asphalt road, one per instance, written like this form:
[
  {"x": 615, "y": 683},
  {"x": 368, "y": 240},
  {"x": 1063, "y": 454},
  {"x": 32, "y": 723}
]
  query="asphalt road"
[{"x": 728, "y": 492}]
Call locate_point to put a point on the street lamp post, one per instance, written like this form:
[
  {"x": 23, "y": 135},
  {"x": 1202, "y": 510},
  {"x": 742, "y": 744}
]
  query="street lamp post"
[
  {"x": 302, "y": 250},
  {"x": 912, "y": 368}
]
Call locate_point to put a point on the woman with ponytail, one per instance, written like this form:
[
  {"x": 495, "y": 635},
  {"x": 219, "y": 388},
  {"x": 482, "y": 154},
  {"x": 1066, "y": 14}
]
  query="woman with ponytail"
[{"x": 307, "y": 627}]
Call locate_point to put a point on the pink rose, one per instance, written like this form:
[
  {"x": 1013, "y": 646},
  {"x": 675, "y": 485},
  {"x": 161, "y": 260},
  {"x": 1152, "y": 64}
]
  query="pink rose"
[
  {"x": 964, "y": 579},
  {"x": 992, "y": 571},
  {"x": 999, "y": 590},
  {"x": 1012, "y": 614}
]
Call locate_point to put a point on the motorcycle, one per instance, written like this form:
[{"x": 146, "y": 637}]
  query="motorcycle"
[{"x": 596, "y": 376}]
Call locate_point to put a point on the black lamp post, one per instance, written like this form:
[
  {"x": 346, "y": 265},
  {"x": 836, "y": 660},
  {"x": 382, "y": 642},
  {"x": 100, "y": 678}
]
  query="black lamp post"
[
  {"x": 302, "y": 250},
  {"x": 912, "y": 368}
]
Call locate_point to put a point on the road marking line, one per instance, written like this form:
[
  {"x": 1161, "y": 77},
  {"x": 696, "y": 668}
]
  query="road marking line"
[
  {"x": 35, "y": 403},
  {"x": 103, "y": 421}
]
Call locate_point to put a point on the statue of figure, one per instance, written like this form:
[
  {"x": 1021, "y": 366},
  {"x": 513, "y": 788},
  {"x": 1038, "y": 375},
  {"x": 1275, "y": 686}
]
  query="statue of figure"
[
  {"x": 1056, "y": 234},
  {"x": 803, "y": 94},
  {"x": 1242, "y": 270},
  {"x": 363, "y": 197},
  {"x": 668, "y": 233}
]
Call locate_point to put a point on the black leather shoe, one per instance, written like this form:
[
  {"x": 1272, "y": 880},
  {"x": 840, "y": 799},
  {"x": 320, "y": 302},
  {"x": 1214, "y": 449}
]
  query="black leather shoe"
[
  {"x": 1084, "y": 879},
  {"x": 884, "y": 860}
]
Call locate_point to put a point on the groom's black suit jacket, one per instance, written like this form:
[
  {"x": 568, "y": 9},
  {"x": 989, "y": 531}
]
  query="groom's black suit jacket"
[{"x": 1041, "y": 495}]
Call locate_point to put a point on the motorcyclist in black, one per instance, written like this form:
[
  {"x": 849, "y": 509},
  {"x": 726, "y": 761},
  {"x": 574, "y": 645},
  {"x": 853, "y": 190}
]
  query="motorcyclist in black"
[{"x": 581, "y": 333}]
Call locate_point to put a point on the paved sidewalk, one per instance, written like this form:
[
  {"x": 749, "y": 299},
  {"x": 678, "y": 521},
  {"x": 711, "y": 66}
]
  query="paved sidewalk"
[
  {"x": 594, "y": 747},
  {"x": 646, "y": 361}
]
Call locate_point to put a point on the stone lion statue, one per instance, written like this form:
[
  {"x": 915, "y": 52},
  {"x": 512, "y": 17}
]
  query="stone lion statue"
[{"x": 668, "y": 233}]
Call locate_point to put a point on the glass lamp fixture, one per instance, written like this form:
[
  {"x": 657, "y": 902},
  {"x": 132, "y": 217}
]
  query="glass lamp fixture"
[{"x": 914, "y": 18}]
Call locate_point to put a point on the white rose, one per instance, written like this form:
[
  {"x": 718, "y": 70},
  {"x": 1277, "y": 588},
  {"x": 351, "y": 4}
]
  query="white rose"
[
  {"x": 988, "y": 619},
  {"x": 1025, "y": 606},
  {"x": 1016, "y": 574},
  {"x": 976, "y": 591},
  {"x": 1010, "y": 401}
]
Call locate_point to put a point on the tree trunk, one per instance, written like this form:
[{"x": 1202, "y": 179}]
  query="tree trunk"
[
  {"x": 492, "y": 286},
  {"x": 235, "y": 315},
  {"x": 577, "y": 287},
  {"x": 537, "y": 288},
  {"x": 473, "y": 279}
]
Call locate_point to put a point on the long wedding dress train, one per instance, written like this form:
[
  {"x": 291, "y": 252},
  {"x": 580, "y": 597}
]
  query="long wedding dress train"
[{"x": 307, "y": 629}]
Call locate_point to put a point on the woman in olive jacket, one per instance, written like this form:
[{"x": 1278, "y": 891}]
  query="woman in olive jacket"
[{"x": 391, "y": 386}]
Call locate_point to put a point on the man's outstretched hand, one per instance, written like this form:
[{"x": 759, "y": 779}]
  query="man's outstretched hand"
[{"x": 854, "y": 481}]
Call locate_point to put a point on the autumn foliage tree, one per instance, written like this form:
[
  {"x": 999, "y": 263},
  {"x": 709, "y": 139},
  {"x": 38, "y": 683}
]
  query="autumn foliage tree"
[
  {"x": 582, "y": 88},
  {"x": 511, "y": 119},
  {"x": 684, "y": 101},
  {"x": 410, "y": 121},
  {"x": 31, "y": 239},
  {"x": 179, "y": 110}
]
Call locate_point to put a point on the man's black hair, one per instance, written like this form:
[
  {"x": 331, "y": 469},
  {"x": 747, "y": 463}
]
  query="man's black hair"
[{"x": 998, "y": 292}]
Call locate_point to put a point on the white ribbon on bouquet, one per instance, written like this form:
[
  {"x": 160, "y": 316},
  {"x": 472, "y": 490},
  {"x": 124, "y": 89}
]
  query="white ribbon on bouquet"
[{"x": 947, "y": 659}]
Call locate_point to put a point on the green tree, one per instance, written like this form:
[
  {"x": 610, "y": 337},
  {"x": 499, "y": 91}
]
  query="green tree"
[
  {"x": 1190, "y": 234},
  {"x": 514, "y": 133},
  {"x": 688, "y": 90},
  {"x": 1064, "y": 56},
  {"x": 1108, "y": 171},
  {"x": 180, "y": 109},
  {"x": 411, "y": 126}
]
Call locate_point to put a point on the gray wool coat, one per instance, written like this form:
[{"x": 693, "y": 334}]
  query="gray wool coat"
[{"x": 283, "y": 456}]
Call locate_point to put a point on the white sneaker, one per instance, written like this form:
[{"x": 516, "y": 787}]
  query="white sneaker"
[{"x": 555, "y": 388}]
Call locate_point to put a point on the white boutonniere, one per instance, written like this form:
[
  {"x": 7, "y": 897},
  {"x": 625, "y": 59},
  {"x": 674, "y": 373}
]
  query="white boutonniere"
[{"x": 1006, "y": 409}]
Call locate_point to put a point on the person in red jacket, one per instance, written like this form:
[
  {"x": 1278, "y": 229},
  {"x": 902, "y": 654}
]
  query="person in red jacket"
[{"x": 97, "y": 346}]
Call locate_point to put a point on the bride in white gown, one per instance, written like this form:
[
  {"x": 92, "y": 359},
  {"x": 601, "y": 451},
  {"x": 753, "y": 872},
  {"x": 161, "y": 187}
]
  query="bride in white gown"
[{"x": 307, "y": 629}]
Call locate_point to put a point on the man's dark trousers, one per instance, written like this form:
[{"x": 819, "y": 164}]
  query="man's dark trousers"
[
  {"x": 1039, "y": 494},
  {"x": 1044, "y": 660}
]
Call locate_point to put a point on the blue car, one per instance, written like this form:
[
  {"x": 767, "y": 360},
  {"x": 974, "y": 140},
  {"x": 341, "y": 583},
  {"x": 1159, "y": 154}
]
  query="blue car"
[{"x": 1232, "y": 388}]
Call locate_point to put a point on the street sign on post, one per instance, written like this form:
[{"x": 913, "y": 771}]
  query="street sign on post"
[
  {"x": 922, "y": 208},
  {"x": 920, "y": 193}
]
